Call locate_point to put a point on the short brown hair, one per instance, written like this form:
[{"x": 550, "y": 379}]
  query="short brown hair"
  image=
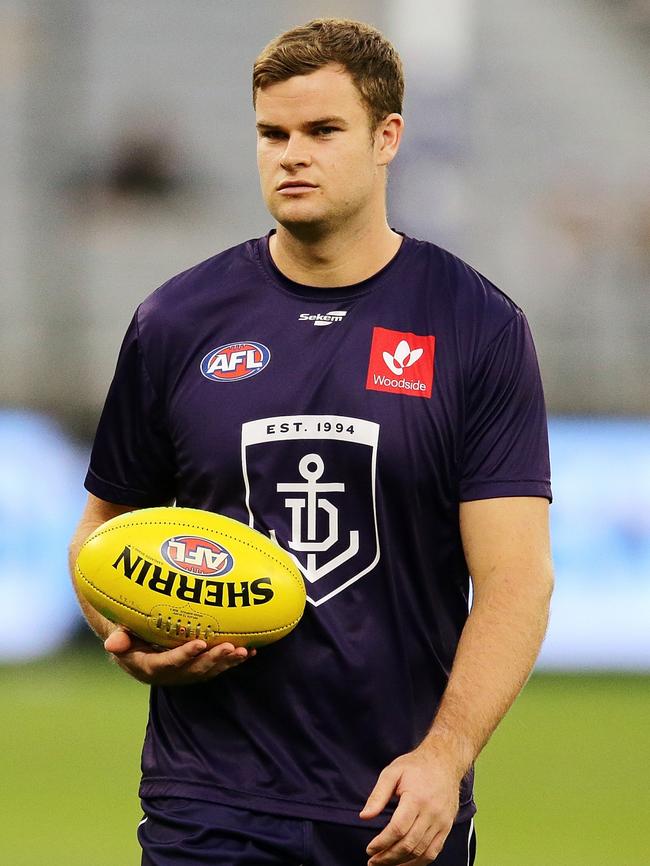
[{"x": 370, "y": 59}]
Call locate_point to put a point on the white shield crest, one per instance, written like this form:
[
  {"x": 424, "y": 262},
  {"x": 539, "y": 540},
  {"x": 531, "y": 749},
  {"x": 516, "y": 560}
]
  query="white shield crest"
[{"x": 310, "y": 484}]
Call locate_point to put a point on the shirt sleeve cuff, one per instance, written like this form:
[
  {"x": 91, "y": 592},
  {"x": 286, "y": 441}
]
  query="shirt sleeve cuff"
[
  {"x": 119, "y": 495},
  {"x": 497, "y": 489}
]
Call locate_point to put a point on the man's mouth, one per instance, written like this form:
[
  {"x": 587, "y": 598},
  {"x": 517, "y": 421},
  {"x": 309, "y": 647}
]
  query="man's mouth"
[{"x": 293, "y": 187}]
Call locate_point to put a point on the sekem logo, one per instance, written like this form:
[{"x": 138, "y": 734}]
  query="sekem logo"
[
  {"x": 322, "y": 319},
  {"x": 235, "y": 361},
  {"x": 401, "y": 363},
  {"x": 197, "y": 555}
]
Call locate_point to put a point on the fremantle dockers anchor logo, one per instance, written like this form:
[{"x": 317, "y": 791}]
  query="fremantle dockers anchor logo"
[
  {"x": 310, "y": 484},
  {"x": 311, "y": 468}
]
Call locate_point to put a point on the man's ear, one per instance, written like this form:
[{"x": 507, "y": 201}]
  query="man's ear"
[{"x": 388, "y": 136}]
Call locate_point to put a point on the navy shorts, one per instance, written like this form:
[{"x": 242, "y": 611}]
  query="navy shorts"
[{"x": 174, "y": 832}]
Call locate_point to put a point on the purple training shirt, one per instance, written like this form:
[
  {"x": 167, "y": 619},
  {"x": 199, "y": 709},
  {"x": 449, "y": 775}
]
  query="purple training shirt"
[{"x": 348, "y": 423}]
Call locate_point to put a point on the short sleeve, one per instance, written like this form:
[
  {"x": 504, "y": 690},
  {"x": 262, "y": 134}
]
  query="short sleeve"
[
  {"x": 132, "y": 460},
  {"x": 505, "y": 449}
]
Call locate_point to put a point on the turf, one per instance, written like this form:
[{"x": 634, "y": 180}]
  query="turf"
[
  {"x": 563, "y": 781},
  {"x": 71, "y": 732}
]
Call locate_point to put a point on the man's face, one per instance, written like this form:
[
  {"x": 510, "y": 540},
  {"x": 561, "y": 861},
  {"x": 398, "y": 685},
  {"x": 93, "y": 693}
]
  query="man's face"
[{"x": 317, "y": 163}]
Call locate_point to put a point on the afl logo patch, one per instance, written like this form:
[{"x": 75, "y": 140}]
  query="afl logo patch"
[
  {"x": 196, "y": 555},
  {"x": 235, "y": 361}
]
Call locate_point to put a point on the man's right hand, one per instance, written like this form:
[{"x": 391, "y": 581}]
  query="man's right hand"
[{"x": 190, "y": 663}]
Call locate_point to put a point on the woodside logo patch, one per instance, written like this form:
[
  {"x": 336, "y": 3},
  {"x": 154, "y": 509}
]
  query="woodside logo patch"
[{"x": 401, "y": 363}]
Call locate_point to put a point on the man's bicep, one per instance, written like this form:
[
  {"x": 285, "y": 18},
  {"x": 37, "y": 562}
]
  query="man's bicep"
[
  {"x": 99, "y": 510},
  {"x": 507, "y": 538},
  {"x": 96, "y": 512}
]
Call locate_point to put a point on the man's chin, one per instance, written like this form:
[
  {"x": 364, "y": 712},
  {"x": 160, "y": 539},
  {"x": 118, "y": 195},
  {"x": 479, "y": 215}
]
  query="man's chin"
[{"x": 303, "y": 227}]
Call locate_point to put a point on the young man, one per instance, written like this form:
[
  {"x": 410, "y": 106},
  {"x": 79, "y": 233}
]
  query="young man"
[{"x": 400, "y": 389}]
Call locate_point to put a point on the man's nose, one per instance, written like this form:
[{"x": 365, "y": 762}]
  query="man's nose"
[{"x": 296, "y": 153}]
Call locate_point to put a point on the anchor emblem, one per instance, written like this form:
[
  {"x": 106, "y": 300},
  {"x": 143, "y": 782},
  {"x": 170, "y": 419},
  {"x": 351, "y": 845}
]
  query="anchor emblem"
[{"x": 311, "y": 467}]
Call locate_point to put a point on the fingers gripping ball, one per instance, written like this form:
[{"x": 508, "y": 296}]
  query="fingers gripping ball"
[{"x": 171, "y": 575}]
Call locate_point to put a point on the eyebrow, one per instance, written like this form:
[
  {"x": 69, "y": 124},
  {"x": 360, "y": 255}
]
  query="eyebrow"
[{"x": 311, "y": 124}]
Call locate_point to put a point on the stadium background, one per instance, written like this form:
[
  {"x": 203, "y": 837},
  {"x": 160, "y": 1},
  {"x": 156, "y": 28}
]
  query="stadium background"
[{"x": 127, "y": 155}]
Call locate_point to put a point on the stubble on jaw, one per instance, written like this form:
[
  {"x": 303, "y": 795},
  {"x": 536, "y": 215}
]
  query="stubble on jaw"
[{"x": 313, "y": 229}]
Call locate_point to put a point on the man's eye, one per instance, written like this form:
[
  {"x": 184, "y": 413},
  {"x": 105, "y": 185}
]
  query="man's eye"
[
  {"x": 272, "y": 133},
  {"x": 325, "y": 130}
]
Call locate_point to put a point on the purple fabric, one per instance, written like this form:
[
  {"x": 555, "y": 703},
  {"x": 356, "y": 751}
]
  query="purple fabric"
[
  {"x": 184, "y": 832},
  {"x": 304, "y": 728}
]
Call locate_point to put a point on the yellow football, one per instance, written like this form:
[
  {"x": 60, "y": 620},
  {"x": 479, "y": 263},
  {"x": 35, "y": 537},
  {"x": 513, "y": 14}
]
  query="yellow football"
[{"x": 173, "y": 574}]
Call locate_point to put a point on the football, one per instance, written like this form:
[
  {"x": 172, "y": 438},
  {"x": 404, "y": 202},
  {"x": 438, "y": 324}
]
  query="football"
[{"x": 171, "y": 574}]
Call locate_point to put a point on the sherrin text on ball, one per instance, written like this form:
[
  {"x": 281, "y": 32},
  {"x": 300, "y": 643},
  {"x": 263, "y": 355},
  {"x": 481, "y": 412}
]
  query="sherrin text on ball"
[{"x": 171, "y": 575}]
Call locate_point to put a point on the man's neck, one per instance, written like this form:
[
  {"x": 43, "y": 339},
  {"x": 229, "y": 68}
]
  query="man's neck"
[{"x": 334, "y": 259}]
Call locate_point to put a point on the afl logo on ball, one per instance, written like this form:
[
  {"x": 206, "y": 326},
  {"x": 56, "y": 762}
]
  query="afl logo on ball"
[
  {"x": 197, "y": 555},
  {"x": 235, "y": 361}
]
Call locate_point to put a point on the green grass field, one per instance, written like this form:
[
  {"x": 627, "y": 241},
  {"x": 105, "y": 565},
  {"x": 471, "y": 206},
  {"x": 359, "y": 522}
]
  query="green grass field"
[{"x": 563, "y": 782}]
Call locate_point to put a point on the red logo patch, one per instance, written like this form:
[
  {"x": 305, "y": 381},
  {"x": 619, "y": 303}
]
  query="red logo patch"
[
  {"x": 197, "y": 555},
  {"x": 401, "y": 363}
]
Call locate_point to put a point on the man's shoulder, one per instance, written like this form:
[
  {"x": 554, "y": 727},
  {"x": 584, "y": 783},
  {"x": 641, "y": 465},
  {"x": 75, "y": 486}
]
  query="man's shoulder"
[
  {"x": 472, "y": 296},
  {"x": 205, "y": 277}
]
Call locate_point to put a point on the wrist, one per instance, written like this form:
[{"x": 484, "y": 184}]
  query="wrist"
[{"x": 449, "y": 745}]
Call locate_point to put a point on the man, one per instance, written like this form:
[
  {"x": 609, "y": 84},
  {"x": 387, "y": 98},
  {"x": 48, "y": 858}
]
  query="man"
[{"x": 403, "y": 387}]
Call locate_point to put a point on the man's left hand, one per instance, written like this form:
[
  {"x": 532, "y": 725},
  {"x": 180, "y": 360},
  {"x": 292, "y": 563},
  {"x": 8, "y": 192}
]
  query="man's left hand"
[{"x": 426, "y": 781}]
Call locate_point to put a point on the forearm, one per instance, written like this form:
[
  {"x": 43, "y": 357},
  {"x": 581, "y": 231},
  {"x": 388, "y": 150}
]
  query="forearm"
[
  {"x": 98, "y": 623},
  {"x": 495, "y": 656}
]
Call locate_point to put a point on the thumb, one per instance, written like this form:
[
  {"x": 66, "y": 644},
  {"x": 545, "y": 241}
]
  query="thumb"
[
  {"x": 118, "y": 641},
  {"x": 381, "y": 793}
]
